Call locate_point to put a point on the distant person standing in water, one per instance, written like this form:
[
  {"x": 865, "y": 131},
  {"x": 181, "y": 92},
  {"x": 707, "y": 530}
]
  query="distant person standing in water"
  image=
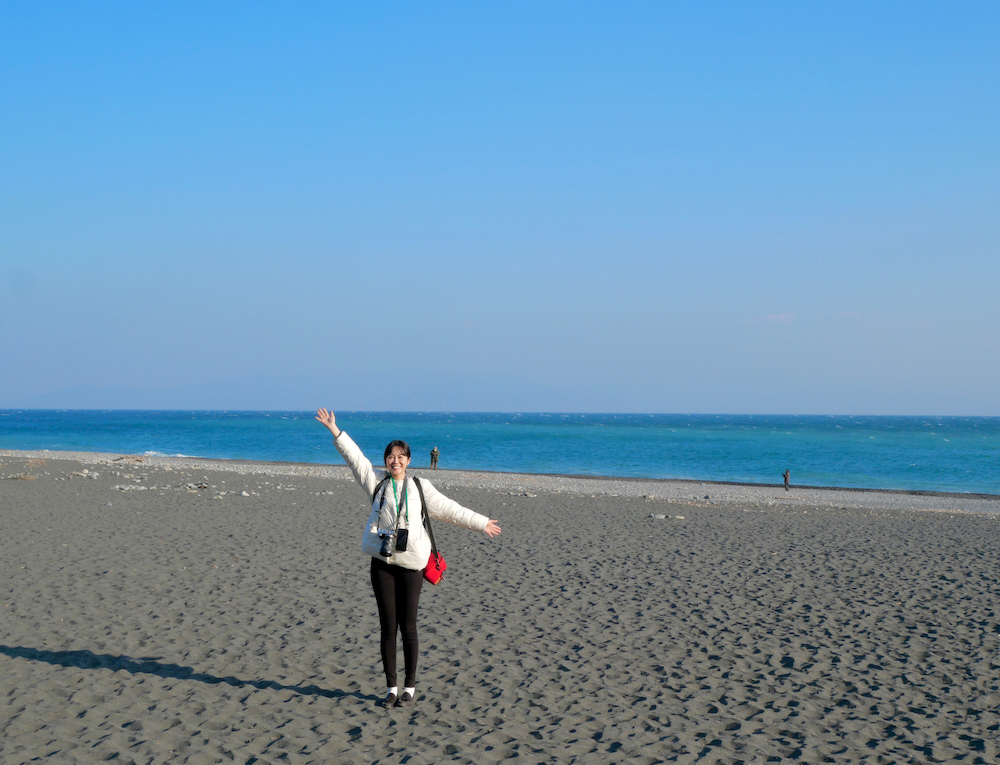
[
  {"x": 397, "y": 540},
  {"x": 788, "y": 475},
  {"x": 434, "y": 458}
]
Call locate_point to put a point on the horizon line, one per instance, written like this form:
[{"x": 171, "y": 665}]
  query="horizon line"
[{"x": 491, "y": 411}]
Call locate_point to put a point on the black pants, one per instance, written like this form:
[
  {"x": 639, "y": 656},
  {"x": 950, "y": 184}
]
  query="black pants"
[{"x": 397, "y": 591}]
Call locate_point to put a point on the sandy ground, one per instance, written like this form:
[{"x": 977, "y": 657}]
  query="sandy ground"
[{"x": 145, "y": 619}]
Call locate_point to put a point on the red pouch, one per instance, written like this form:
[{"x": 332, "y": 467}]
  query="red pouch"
[{"x": 435, "y": 568}]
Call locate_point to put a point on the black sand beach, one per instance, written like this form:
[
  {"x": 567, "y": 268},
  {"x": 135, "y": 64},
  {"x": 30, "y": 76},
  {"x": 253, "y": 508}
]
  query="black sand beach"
[{"x": 171, "y": 623}]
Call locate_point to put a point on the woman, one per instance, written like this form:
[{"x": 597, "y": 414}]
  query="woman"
[{"x": 399, "y": 547}]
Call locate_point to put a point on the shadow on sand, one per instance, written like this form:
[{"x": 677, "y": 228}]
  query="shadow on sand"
[{"x": 151, "y": 666}]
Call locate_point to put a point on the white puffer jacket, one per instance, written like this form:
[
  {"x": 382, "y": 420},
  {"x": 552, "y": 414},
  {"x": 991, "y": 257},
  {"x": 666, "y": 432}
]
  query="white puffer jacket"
[{"x": 439, "y": 507}]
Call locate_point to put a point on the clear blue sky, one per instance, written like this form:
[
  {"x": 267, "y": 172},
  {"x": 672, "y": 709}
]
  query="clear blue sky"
[{"x": 660, "y": 207}]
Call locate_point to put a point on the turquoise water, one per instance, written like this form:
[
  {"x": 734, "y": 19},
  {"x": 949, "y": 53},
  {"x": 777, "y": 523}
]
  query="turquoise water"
[{"x": 960, "y": 454}]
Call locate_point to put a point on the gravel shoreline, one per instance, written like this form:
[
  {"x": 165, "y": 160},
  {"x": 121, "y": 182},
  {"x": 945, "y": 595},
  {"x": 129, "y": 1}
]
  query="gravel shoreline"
[
  {"x": 193, "y": 611},
  {"x": 708, "y": 493}
]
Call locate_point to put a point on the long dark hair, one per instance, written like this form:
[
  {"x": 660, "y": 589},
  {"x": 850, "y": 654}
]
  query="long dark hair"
[{"x": 403, "y": 446}]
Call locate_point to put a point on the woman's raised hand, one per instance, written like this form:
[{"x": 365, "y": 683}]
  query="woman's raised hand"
[
  {"x": 492, "y": 529},
  {"x": 328, "y": 420}
]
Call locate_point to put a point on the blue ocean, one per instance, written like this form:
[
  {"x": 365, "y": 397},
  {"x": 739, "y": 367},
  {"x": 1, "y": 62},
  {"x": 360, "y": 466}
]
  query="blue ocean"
[{"x": 956, "y": 454}]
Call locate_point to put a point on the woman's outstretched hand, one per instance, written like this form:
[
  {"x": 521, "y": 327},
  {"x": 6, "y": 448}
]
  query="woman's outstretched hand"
[
  {"x": 492, "y": 529},
  {"x": 330, "y": 422}
]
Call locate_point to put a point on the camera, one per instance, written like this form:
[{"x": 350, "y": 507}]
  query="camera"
[{"x": 387, "y": 538}]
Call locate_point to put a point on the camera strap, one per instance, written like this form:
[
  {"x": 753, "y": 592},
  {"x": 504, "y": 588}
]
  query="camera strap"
[
  {"x": 406, "y": 508},
  {"x": 378, "y": 486},
  {"x": 384, "y": 488}
]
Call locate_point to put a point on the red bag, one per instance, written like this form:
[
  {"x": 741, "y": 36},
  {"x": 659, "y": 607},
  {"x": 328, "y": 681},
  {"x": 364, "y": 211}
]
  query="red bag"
[{"x": 435, "y": 568}]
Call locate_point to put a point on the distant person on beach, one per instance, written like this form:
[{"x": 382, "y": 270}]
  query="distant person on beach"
[
  {"x": 397, "y": 541},
  {"x": 787, "y": 475},
  {"x": 434, "y": 458}
]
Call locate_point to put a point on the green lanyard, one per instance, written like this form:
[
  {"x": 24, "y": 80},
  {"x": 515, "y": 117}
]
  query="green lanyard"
[{"x": 406, "y": 507}]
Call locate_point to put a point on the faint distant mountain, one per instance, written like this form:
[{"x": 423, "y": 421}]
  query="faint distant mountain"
[
  {"x": 357, "y": 391},
  {"x": 246, "y": 393}
]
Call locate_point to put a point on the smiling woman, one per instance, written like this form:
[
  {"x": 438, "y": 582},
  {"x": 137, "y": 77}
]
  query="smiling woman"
[{"x": 399, "y": 543}]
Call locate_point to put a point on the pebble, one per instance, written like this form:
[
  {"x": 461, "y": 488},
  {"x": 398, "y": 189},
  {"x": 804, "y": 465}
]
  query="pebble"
[{"x": 767, "y": 496}]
